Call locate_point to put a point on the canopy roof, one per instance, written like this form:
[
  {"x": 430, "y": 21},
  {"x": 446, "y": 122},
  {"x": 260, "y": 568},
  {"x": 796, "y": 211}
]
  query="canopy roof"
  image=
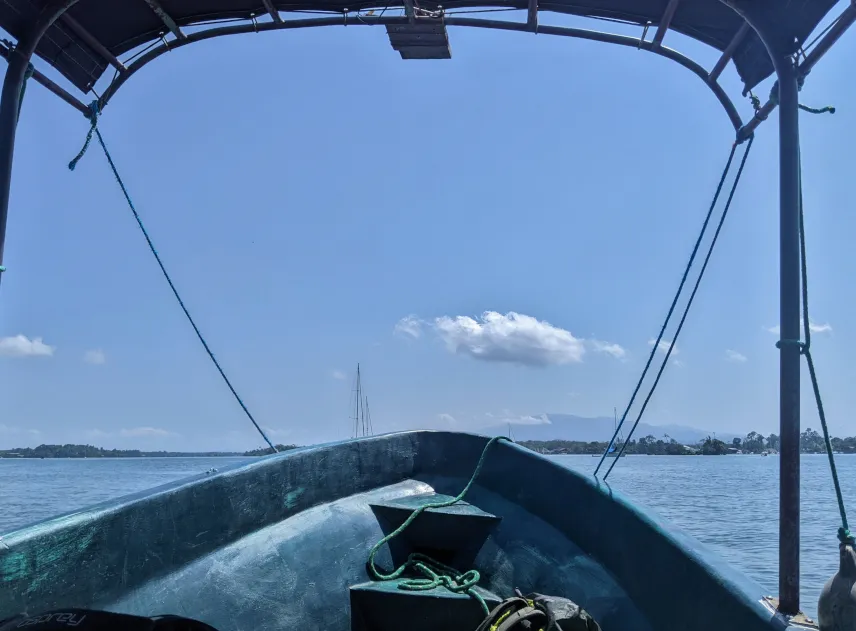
[{"x": 94, "y": 33}]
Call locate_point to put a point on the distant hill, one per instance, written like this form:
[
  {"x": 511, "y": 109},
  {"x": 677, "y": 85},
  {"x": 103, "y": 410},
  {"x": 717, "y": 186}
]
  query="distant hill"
[{"x": 570, "y": 427}]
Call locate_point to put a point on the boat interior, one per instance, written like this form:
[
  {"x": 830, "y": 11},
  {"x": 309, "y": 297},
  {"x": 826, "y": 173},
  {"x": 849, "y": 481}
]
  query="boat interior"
[{"x": 283, "y": 543}]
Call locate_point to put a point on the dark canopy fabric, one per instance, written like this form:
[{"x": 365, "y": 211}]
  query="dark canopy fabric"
[{"x": 122, "y": 25}]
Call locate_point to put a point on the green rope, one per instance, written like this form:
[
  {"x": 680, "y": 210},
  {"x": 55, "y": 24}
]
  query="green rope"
[
  {"x": 93, "y": 118},
  {"x": 435, "y": 574},
  {"x": 817, "y": 110},
  {"x": 844, "y": 535},
  {"x": 774, "y": 97}
]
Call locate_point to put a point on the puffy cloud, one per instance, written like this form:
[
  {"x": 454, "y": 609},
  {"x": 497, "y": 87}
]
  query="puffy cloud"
[
  {"x": 409, "y": 326},
  {"x": 512, "y": 338},
  {"x": 22, "y": 346},
  {"x": 96, "y": 357},
  {"x": 734, "y": 356},
  {"x": 338, "y": 374}
]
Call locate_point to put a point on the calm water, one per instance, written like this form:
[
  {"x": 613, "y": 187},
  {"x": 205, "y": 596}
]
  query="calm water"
[{"x": 729, "y": 503}]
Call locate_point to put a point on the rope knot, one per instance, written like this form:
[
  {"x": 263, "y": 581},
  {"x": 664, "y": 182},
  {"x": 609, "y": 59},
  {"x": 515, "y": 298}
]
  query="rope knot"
[
  {"x": 92, "y": 117},
  {"x": 2, "y": 269},
  {"x": 845, "y": 537},
  {"x": 94, "y": 111}
]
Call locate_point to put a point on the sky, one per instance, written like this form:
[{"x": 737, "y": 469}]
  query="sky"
[{"x": 492, "y": 238}]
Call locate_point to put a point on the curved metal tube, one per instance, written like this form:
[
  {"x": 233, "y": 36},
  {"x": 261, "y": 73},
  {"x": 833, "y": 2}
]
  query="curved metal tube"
[
  {"x": 10, "y": 97},
  {"x": 349, "y": 20}
]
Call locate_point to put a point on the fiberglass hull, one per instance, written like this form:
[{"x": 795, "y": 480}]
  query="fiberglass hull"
[{"x": 282, "y": 543}]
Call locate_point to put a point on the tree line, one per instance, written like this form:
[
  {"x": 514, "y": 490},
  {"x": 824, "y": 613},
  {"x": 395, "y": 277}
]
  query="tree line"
[
  {"x": 811, "y": 442},
  {"x": 88, "y": 451}
]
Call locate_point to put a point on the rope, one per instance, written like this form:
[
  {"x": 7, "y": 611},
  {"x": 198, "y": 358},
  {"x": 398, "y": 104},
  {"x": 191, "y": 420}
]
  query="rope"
[
  {"x": 435, "y": 574},
  {"x": 671, "y": 307},
  {"x": 774, "y": 98},
  {"x": 844, "y": 535},
  {"x": 93, "y": 118},
  {"x": 688, "y": 305}
]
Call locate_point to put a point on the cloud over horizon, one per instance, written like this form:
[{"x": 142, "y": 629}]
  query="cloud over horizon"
[
  {"x": 22, "y": 346},
  {"x": 508, "y": 338}
]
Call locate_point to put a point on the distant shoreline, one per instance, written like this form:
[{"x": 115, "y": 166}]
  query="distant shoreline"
[
  {"x": 754, "y": 443},
  {"x": 73, "y": 452}
]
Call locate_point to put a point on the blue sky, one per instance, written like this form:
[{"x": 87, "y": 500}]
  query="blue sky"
[{"x": 309, "y": 190}]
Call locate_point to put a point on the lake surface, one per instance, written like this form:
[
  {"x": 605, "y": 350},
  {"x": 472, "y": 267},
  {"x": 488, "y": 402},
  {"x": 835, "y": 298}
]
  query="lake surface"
[{"x": 730, "y": 503}]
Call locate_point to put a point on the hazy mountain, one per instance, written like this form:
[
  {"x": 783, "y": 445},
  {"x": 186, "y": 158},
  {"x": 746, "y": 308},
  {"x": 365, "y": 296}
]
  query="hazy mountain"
[{"x": 569, "y": 427}]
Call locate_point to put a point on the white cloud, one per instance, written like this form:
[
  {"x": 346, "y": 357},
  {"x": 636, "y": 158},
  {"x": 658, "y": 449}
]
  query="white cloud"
[
  {"x": 410, "y": 326},
  {"x": 338, "y": 374},
  {"x": 447, "y": 419},
  {"x": 528, "y": 419},
  {"x": 812, "y": 326},
  {"x": 606, "y": 347},
  {"x": 734, "y": 356},
  {"x": 145, "y": 432},
  {"x": 96, "y": 357},
  {"x": 663, "y": 347},
  {"x": 513, "y": 338},
  {"x": 22, "y": 346}
]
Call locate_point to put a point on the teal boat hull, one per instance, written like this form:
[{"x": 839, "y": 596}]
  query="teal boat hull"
[{"x": 282, "y": 543}]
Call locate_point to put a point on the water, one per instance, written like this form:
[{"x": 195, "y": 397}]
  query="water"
[{"x": 730, "y": 503}]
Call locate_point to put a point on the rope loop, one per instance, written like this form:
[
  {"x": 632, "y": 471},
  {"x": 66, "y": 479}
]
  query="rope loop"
[{"x": 845, "y": 537}]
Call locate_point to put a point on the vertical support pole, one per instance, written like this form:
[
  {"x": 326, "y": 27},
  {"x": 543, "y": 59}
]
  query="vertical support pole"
[
  {"x": 789, "y": 322},
  {"x": 9, "y": 99},
  {"x": 781, "y": 46},
  {"x": 10, "y": 96}
]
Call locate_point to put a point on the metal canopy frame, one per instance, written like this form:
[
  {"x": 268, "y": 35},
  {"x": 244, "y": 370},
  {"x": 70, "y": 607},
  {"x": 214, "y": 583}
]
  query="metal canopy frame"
[{"x": 789, "y": 70}]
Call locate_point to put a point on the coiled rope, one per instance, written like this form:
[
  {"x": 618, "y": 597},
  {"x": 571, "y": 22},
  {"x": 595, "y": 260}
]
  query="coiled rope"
[{"x": 435, "y": 574}]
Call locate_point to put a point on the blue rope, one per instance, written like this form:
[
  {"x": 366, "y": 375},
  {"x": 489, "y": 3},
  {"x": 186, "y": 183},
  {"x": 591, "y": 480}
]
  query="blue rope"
[
  {"x": 678, "y": 293},
  {"x": 688, "y": 305},
  {"x": 93, "y": 130},
  {"x": 844, "y": 534}
]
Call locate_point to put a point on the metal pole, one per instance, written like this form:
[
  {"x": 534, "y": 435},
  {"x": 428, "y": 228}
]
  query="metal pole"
[
  {"x": 10, "y": 97},
  {"x": 789, "y": 321},
  {"x": 780, "y": 48}
]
